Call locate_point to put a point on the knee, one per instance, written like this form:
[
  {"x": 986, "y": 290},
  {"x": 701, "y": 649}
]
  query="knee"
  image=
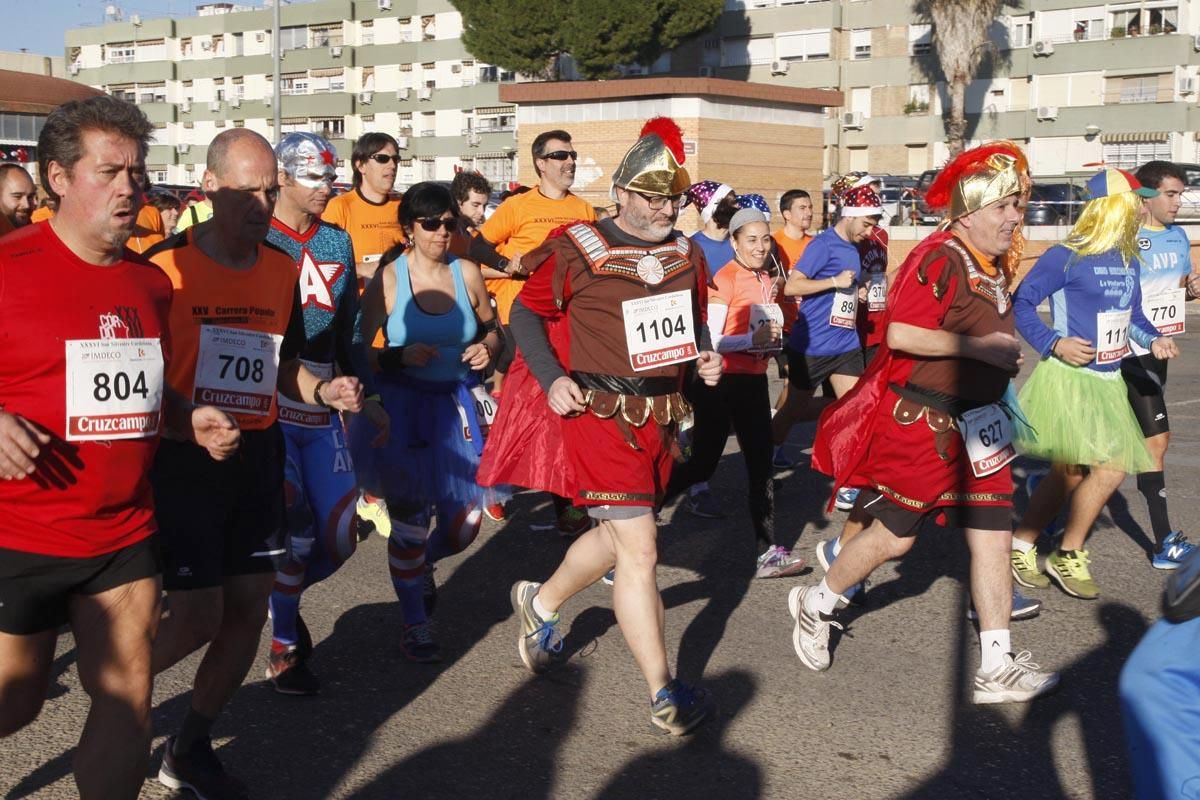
[
  {"x": 20, "y": 703},
  {"x": 123, "y": 685},
  {"x": 640, "y": 556},
  {"x": 195, "y": 623},
  {"x": 897, "y": 547}
]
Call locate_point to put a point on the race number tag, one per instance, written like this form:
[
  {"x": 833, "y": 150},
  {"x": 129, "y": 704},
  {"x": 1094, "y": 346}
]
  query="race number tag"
[
  {"x": 844, "y": 312},
  {"x": 1112, "y": 336},
  {"x": 114, "y": 388},
  {"x": 987, "y": 433},
  {"x": 660, "y": 330},
  {"x": 1167, "y": 311},
  {"x": 303, "y": 414},
  {"x": 762, "y": 314},
  {"x": 485, "y": 412},
  {"x": 236, "y": 370},
  {"x": 877, "y": 292}
]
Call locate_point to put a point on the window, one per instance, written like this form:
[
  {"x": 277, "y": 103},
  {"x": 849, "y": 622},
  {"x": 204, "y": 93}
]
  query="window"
[
  {"x": 330, "y": 128},
  {"x": 325, "y": 36},
  {"x": 185, "y": 46},
  {"x": 293, "y": 38},
  {"x": 1162, "y": 20},
  {"x": 498, "y": 170},
  {"x": 1020, "y": 31},
  {"x": 802, "y": 45},
  {"x": 428, "y": 169},
  {"x": 294, "y": 83},
  {"x": 157, "y": 175},
  {"x": 920, "y": 40},
  {"x": 367, "y": 32},
  {"x": 1139, "y": 89},
  {"x": 218, "y": 45},
  {"x": 860, "y": 43},
  {"x": 428, "y": 29},
  {"x": 1131, "y": 155},
  {"x": 122, "y": 53}
]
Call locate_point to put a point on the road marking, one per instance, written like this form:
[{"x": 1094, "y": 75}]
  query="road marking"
[{"x": 1184, "y": 402}]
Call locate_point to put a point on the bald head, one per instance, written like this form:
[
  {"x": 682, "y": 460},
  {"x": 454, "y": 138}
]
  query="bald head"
[
  {"x": 18, "y": 195},
  {"x": 241, "y": 141},
  {"x": 242, "y": 181}
]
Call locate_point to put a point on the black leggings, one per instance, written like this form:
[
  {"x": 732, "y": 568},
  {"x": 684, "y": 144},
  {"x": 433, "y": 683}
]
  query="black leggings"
[{"x": 741, "y": 403}]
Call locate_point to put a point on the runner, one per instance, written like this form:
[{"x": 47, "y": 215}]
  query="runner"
[
  {"x": 433, "y": 312},
  {"x": 197, "y": 209},
  {"x": 716, "y": 203},
  {"x": 471, "y": 192},
  {"x": 745, "y": 323},
  {"x": 322, "y": 529},
  {"x": 18, "y": 197},
  {"x": 1076, "y": 399},
  {"x": 168, "y": 206},
  {"x": 368, "y": 212},
  {"x": 77, "y": 436},
  {"x": 908, "y": 434},
  {"x": 873, "y": 253},
  {"x": 237, "y": 331},
  {"x": 521, "y": 223},
  {"x": 1167, "y": 283},
  {"x": 598, "y": 423},
  {"x": 797, "y": 211}
]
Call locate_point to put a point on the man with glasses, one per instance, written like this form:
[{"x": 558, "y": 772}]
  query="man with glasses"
[
  {"x": 623, "y": 302},
  {"x": 370, "y": 211},
  {"x": 521, "y": 223}
]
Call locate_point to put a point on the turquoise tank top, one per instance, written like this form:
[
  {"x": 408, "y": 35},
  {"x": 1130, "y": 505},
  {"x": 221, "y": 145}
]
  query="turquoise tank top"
[{"x": 450, "y": 332}]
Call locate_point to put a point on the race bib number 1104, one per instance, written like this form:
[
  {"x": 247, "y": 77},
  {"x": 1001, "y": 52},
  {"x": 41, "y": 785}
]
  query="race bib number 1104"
[{"x": 660, "y": 330}]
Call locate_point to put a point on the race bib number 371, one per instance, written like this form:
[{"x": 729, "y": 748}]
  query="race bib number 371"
[
  {"x": 660, "y": 330},
  {"x": 236, "y": 370},
  {"x": 114, "y": 388}
]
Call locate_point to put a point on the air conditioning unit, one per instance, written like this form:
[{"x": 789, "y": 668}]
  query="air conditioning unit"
[
  {"x": 1043, "y": 47},
  {"x": 74, "y": 69},
  {"x": 779, "y": 67},
  {"x": 385, "y": 5},
  {"x": 1187, "y": 85},
  {"x": 235, "y": 102},
  {"x": 706, "y": 72},
  {"x": 473, "y": 140},
  {"x": 183, "y": 149},
  {"x": 402, "y": 142},
  {"x": 215, "y": 105},
  {"x": 186, "y": 106},
  {"x": 366, "y": 97},
  {"x": 1196, "y": 42},
  {"x": 403, "y": 94},
  {"x": 206, "y": 45},
  {"x": 852, "y": 120},
  {"x": 425, "y": 94},
  {"x": 260, "y": 37},
  {"x": 135, "y": 20},
  {"x": 267, "y": 100},
  {"x": 1045, "y": 113},
  {"x": 336, "y": 51}
]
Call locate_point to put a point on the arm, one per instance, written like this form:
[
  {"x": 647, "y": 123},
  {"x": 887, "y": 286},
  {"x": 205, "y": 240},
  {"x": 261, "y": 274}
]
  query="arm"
[
  {"x": 298, "y": 383},
  {"x": 481, "y": 353},
  {"x": 1049, "y": 274},
  {"x": 208, "y": 427},
  {"x": 349, "y": 348},
  {"x": 530, "y": 334},
  {"x": 487, "y": 256},
  {"x": 801, "y": 283}
]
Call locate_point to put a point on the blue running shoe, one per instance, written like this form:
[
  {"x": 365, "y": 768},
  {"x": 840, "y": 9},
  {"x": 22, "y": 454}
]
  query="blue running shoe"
[
  {"x": 855, "y": 595},
  {"x": 1022, "y": 607},
  {"x": 610, "y": 577},
  {"x": 539, "y": 642},
  {"x": 1175, "y": 548},
  {"x": 845, "y": 499},
  {"x": 678, "y": 707}
]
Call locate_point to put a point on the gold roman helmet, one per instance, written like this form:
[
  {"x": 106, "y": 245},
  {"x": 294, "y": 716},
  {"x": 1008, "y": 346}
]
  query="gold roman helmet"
[
  {"x": 654, "y": 165},
  {"x": 979, "y": 177}
]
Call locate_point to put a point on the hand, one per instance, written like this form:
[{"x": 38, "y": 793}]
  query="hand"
[
  {"x": 843, "y": 280},
  {"x": 1074, "y": 351},
  {"x": 418, "y": 355},
  {"x": 19, "y": 446},
  {"x": 998, "y": 349},
  {"x": 862, "y": 294},
  {"x": 767, "y": 334},
  {"x": 477, "y": 355},
  {"x": 343, "y": 393},
  {"x": 1164, "y": 347},
  {"x": 709, "y": 367},
  {"x": 565, "y": 397},
  {"x": 375, "y": 414},
  {"x": 514, "y": 265},
  {"x": 216, "y": 432},
  {"x": 1193, "y": 285}
]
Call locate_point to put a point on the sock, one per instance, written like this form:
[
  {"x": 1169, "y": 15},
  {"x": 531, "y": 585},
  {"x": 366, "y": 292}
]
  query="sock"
[
  {"x": 195, "y": 729},
  {"x": 1153, "y": 487},
  {"x": 1021, "y": 546},
  {"x": 823, "y": 601},
  {"x": 837, "y": 547},
  {"x": 993, "y": 646},
  {"x": 541, "y": 610},
  {"x": 697, "y": 488},
  {"x": 406, "y": 562}
]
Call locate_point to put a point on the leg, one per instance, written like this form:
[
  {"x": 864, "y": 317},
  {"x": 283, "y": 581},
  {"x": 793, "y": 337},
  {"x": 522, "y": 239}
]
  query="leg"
[
  {"x": 842, "y": 383},
  {"x": 991, "y": 578},
  {"x": 1086, "y": 503},
  {"x": 301, "y": 538},
  {"x": 586, "y": 561},
  {"x": 864, "y": 554},
  {"x": 456, "y": 529},
  {"x": 752, "y": 426},
  {"x": 25, "y": 662},
  {"x": 1152, "y": 486},
  {"x": 1047, "y": 500},
  {"x": 113, "y": 634},
  {"x": 191, "y": 621},
  {"x": 229, "y": 656},
  {"x": 800, "y": 406},
  {"x": 407, "y": 548},
  {"x": 636, "y": 600},
  {"x": 713, "y": 416}
]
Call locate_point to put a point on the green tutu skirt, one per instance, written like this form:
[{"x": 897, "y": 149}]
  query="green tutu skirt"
[{"x": 1080, "y": 416}]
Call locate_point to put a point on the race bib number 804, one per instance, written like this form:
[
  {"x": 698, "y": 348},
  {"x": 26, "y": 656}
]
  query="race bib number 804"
[
  {"x": 660, "y": 330},
  {"x": 114, "y": 388}
]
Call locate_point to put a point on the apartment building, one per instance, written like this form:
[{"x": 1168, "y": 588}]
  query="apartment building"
[
  {"x": 349, "y": 67},
  {"x": 1076, "y": 83}
]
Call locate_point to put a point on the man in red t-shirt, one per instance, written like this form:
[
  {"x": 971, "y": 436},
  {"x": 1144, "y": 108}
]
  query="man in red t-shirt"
[{"x": 84, "y": 403}]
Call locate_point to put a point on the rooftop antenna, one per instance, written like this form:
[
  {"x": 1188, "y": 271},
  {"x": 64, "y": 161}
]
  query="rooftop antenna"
[{"x": 113, "y": 13}]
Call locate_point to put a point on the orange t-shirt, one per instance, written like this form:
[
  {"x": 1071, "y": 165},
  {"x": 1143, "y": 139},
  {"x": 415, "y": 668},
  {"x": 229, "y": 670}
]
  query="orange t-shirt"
[
  {"x": 791, "y": 249},
  {"x": 264, "y": 298},
  {"x": 147, "y": 231},
  {"x": 521, "y": 223},
  {"x": 741, "y": 289},
  {"x": 373, "y": 227}
]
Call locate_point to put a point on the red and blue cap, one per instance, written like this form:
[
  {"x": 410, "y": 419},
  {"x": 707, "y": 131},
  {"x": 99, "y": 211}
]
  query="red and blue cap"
[{"x": 1116, "y": 181}]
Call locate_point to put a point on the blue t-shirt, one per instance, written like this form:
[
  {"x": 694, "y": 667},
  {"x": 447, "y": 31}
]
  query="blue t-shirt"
[
  {"x": 1166, "y": 264},
  {"x": 1079, "y": 288},
  {"x": 717, "y": 252},
  {"x": 451, "y": 331},
  {"x": 826, "y": 256}
]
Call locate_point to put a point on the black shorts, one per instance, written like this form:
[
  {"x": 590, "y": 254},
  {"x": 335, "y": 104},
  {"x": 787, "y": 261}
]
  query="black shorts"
[
  {"x": 220, "y": 518},
  {"x": 869, "y": 354},
  {"x": 905, "y": 522},
  {"x": 781, "y": 364},
  {"x": 808, "y": 372},
  {"x": 1146, "y": 384},
  {"x": 36, "y": 590}
]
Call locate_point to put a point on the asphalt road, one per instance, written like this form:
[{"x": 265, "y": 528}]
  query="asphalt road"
[{"x": 889, "y": 720}]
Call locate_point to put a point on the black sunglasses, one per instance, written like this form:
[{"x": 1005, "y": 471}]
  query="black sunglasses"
[
  {"x": 562, "y": 155},
  {"x": 383, "y": 158},
  {"x": 431, "y": 224}
]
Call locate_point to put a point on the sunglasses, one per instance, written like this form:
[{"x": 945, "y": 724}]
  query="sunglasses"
[
  {"x": 431, "y": 224},
  {"x": 658, "y": 202},
  {"x": 561, "y": 155},
  {"x": 384, "y": 158}
]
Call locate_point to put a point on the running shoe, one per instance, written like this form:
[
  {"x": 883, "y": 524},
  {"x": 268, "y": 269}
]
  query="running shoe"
[
  {"x": 810, "y": 636},
  {"x": 289, "y": 673},
  {"x": 375, "y": 512},
  {"x": 678, "y": 708},
  {"x": 429, "y": 590},
  {"x": 417, "y": 644},
  {"x": 1025, "y": 569},
  {"x": 200, "y": 772},
  {"x": 610, "y": 577},
  {"x": 1175, "y": 548},
  {"x": 1069, "y": 569},
  {"x": 1022, "y": 607},
  {"x": 856, "y": 595},
  {"x": 703, "y": 504},
  {"x": 539, "y": 643},
  {"x": 494, "y": 512},
  {"x": 781, "y": 460},
  {"x": 778, "y": 562},
  {"x": 845, "y": 499},
  {"x": 1017, "y": 680},
  {"x": 572, "y": 522}
]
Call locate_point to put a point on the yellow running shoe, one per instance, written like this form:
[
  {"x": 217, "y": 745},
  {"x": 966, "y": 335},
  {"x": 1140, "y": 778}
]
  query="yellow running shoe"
[
  {"x": 1025, "y": 569},
  {"x": 374, "y": 511},
  {"x": 1069, "y": 569}
]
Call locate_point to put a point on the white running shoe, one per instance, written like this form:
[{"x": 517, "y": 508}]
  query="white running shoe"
[
  {"x": 1017, "y": 680},
  {"x": 810, "y": 636}
]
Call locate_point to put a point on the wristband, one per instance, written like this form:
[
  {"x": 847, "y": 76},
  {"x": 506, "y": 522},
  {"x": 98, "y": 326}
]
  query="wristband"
[{"x": 317, "y": 394}]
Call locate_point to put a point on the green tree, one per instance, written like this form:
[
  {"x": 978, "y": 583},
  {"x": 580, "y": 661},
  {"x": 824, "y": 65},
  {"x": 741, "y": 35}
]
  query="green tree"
[{"x": 528, "y": 37}]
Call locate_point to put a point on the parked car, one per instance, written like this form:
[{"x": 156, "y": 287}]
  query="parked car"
[
  {"x": 1189, "y": 211},
  {"x": 921, "y": 214},
  {"x": 1054, "y": 204}
]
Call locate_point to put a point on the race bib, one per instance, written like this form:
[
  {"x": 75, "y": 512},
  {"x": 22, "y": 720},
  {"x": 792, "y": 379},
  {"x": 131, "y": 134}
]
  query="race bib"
[
  {"x": 660, "y": 330},
  {"x": 236, "y": 370},
  {"x": 1167, "y": 311},
  {"x": 987, "y": 433},
  {"x": 877, "y": 292},
  {"x": 844, "y": 312},
  {"x": 762, "y": 314},
  {"x": 303, "y": 414},
  {"x": 114, "y": 388},
  {"x": 1112, "y": 336},
  {"x": 485, "y": 412}
]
